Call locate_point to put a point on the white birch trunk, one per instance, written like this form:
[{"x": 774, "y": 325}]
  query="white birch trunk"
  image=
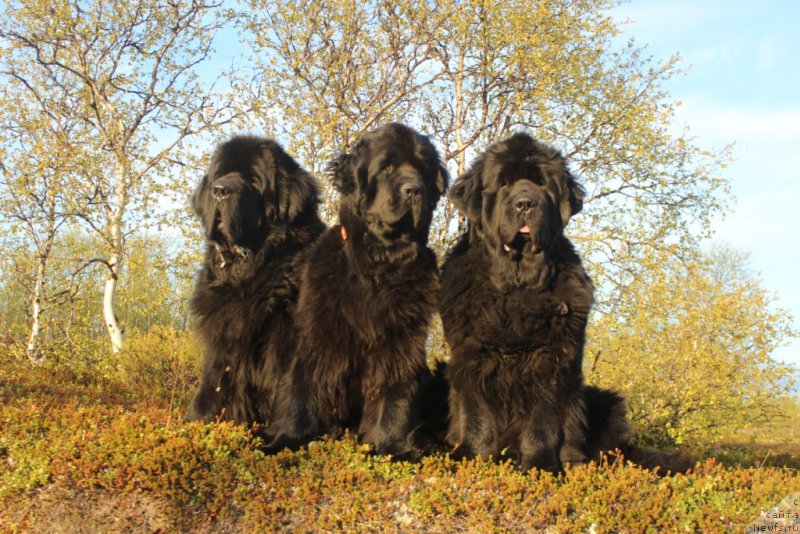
[
  {"x": 32, "y": 350},
  {"x": 115, "y": 331},
  {"x": 459, "y": 125}
]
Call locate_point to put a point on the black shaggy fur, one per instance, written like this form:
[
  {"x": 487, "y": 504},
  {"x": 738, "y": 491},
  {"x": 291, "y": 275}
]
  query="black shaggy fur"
[
  {"x": 367, "y": 297},
  {"x": 259, "y": 211},
  {"x": 514, "y": 303}
]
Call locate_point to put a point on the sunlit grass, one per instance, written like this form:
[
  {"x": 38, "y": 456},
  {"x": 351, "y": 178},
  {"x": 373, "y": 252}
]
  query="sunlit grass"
[{"x": 107, "y": 454}]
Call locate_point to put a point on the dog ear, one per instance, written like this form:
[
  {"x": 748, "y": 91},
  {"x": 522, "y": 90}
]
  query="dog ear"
[
  {"x": 293, "y": 189},
  {"x": 299, "y": 193},
  {"x": 562, "y": 187},
  {"x": 442, "y": 179},
  {"x": 342, "y": 173},
  {"x": 466, "y": 193},
  {"x": 571, "y": 198},
  {"x": 264, "y": 175},
  {"x": 287, "y": 188}
]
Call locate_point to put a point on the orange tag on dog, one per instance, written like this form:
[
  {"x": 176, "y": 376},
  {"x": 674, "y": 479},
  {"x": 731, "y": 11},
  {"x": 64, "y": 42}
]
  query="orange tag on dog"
[{"x": 344, "y": 234}]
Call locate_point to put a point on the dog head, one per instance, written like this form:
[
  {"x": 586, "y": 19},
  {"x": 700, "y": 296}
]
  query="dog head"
[
  {"x": 518, "y": 196},
  {"x": 252, "y": 189},
  {"x": 391, "y": 181}
]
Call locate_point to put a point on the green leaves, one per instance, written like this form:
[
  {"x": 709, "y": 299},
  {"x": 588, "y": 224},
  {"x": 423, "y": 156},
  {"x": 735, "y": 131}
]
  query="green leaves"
[
  {"x": 469, "y": 72},
  {"x": 102, "y": 98},
  {"x": 691, "y": 349}
]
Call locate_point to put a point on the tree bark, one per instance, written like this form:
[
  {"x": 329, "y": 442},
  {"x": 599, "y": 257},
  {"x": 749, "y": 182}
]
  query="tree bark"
[
  {"x": 32, "y": 350},
  {"x": 115, "y": 332}
]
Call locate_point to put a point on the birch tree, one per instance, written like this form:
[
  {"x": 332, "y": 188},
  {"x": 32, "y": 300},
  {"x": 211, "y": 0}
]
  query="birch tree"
[
  {"x": 326, "y": 72},
  {"x": 467, "y": 72},
  {"x": 38, "y": 167},
  {"x": 132, "y": 71}
]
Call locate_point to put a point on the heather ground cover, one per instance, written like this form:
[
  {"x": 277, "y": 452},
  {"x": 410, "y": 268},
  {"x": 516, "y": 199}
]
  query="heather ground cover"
[{"x": 80, "y": 453}]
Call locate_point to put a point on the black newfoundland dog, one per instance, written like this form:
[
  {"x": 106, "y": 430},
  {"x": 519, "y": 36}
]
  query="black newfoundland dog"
[
  {"x": 367, "y": 296},
  {"x": 259, "y": 212},
  {"x": 514, "y": 304}
]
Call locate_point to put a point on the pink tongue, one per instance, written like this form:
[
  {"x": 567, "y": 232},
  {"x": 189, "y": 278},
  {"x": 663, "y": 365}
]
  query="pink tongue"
[{"x": 524, "y": 229}]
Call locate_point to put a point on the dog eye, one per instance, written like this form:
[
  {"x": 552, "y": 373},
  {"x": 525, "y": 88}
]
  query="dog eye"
[{"x": 389, "y": 169}]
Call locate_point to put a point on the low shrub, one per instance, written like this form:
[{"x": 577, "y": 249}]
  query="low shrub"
[
  {"x": 162, "y": 361},
  {"x": 107, "y": 455}
]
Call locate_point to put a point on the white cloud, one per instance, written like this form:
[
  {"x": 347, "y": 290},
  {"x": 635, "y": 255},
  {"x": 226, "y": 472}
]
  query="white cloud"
[
  {"x": 768, "y": 53},
  {"x": 750, "y": 127}
]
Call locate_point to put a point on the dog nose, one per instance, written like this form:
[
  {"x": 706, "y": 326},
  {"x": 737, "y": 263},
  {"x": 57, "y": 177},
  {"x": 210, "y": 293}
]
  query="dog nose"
[
  {"x": 220, "y": 192},
  {"x": 524, "y": 203},
  {"x": 412, "y": 191}
]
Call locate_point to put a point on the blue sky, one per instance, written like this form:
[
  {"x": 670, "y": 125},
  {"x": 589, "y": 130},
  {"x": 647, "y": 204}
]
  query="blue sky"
[{"x": 742, "y": 86}]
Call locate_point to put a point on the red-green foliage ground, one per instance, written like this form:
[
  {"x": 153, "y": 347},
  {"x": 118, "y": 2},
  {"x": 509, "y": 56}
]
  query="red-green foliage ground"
[{"x": 82, "y": 454}]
